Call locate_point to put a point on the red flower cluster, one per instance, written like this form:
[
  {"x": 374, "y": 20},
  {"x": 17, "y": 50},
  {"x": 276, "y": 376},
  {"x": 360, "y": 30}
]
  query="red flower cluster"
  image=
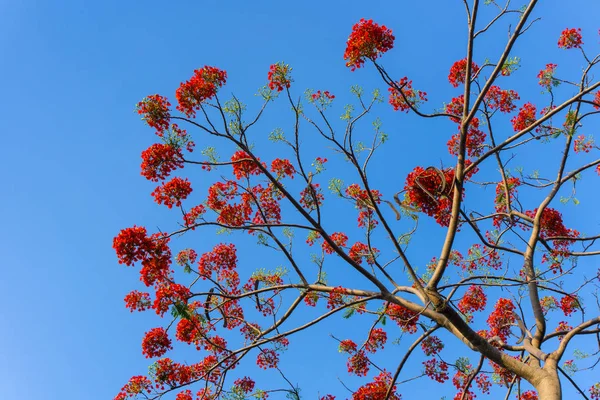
[
  {"x": 432, "y": 345},
  {"x": 529, "y": 395},
  {"x": 312, "y": 197},
  {"x": 551, "y": 225},
  {"x": 597, "y": 100},
  {"x": 339, "y": 238},
  {"x": 548, "y": 303},
  {"x": 324, "y": 96},
  {"x": 405, "y": 318},
  {"x": 191, "y": 217},
  {"x": 155, "y": 111},
  {"x": 406, "y": 97},
  {"x": 377, "y": 389},
  {"x": 436, "y": 370},
  {"x": 245, "y": 384},
  {"x": 563, "y": 326},
  {"x": 358, "y": 363},
  {"x": 138, "y": 301},
  {"x": 359, "y": 251},
  {"x": 185, "y": 395},
  {"x": 525, "y": 118},
  {"x": 159, "y": 160},
  {"x": 367, "y": 40},
  {"x": 430, "y": 191},
  {"x": 473, "y": 300},
  {"x": 156, "y": 343},
  {"x": 502, "y": 100},
  {"x": 569, "y": 304},
  {"x": 546, "y": 76},
  {"x": 282, "y": 168},
  {"x": 570, "y": 39},
  {"x": 347, "y": 346},
  {"x": 456, "y": 108},
  {"x": 583, "y": 144},
  {"x": 169, "y": 294},
  {"x": 173, "y": 192},
  {"x": 336, "y": 298},
  {"x": 267, "y": 358},
  {"x": 458, "y": 72},
  {"x": 501, "y": 319},
  {"x": 221, "y": 260},
  {"x": 136, "y": 385},
  {"x": 364, "y": 204},
  {"x": 474, "y": 140},
  {"x": 501, "y": 201},
  {"x": 595, "y": 392},
  {"x": 279, "y": 76},
  {"x": 201, "y": 87},
  {"x": 377, "y": 339},
  {"x": 244, "y": 165}
]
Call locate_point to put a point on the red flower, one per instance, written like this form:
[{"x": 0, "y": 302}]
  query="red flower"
[
  {"x": 597, "y": 100},
  {"x": 377, "y": 389},
  {"x": 525, "y": 118},
  {"x": 339, "y": 238},
  {"x": 456, "y": 108},
  {"x": 347, "y": 346},
  {"x": 570, "y": 39},
  {"x": 367, "y": 40},
  {"x": 583, "y": 144},
  {"x": 458, "y": 72},
  {"x": 473, "y": 300},
  {"x": 430, "y": 191},
  {"x": 244, "y": 165},
  {"x": 359, "y": 251},
  {"x": 173, "y": 192},
  {"x": 501, "y": 201},
  {"x": 358, "y": 364},
  {"x": 191, "y": 217},
  {"x": 569, "y": 304},
  {"x": 279, "y": 76},
  {"x": 405, "y": 318},
  {"x": 245, "y": 384},
  {"x": 159, "y": 160},
  {"x": 438, "y": 371},
  {"x": 474, "y": 140},
  {"x": 267, "y": 358},
  {"x": 132, "y": 244},
  {"x": 406, "y": 97},
  {"x": 282, "y": 168},
  {"x": 155, "y": 111},
  {"x": 169, "y": 294},
  {"x": 529, "y": 395},
  {"x": 156, "y": 343},
  {"x": 432, "y": 345},
  {"x": 546, "y": 77},
  {"x": 136, "y": 385},
  {"x": 336, "y": 298},
  {"x": 312, "y": 197},
  {"x": 364, "y": 204},
  {"x": 376, "y": 340},
  {"x": 138, "y": 301},
  {"x": 201, "y": 87},
  {"x": 502, "y": 100},
  {"x": 563, "y": 326},
  {"x": 185, "y": 395},
  {"x": 595, "y": 392},
  {"x": 501, "y": 319}
]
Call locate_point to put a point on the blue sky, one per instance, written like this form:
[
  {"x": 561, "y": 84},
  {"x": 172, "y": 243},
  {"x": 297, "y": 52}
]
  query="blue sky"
[{"x": 71, "y": 74}]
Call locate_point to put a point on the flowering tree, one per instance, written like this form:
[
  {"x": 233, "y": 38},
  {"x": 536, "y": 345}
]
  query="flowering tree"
[{"x": 504, "y": 274}]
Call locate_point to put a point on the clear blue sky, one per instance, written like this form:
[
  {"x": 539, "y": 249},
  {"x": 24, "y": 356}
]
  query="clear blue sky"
[{"x": 70, "y": 75}]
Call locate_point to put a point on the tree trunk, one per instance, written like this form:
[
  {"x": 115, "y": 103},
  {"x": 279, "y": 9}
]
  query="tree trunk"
[{"x": 548, "y": 387}]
